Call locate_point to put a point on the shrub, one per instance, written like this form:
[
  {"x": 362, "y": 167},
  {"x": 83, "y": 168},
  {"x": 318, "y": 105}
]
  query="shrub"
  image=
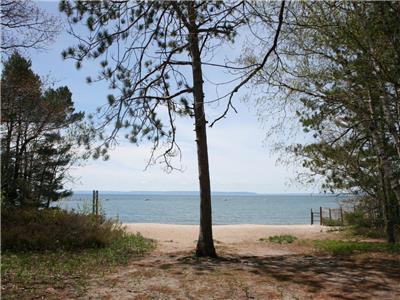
[
  {"x": 51, "y": 229},
  {"x": 332, "y": 222},
  {"x": 362, "y": 224},
  {"x": 23, "y": 273},
  {"x": 349, "y": 247},
  {"x": 286, "y": 238}
]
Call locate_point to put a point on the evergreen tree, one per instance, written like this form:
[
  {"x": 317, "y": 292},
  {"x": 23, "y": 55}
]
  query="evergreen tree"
[{"x": 37, "y": 149}]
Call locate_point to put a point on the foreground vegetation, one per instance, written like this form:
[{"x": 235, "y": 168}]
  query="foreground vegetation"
[
  {"x": 361, "y": 223},
  {"x": 47, "y": 250},
  {"x": 257, "y": 270},
  {"x": 34, "y": 273},
  {"x": 55, "y": 229},
  {"x": 350, "y": 247},
  {"x": 280, "y": 239},
  {"x": 337, "y": 247}
]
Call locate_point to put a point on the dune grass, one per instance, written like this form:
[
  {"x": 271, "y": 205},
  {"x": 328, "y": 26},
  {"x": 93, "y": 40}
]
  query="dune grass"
[
  {"x": 33, "y": 273},
  {"x": 338, "y": 247}
]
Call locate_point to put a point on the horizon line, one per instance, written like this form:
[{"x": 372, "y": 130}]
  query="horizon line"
[{"x": 194, "y": 191}]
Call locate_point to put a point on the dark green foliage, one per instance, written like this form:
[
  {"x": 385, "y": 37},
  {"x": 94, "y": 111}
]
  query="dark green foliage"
[
  {"x": 362, "y": 219},
  {"x": 55, "y": 229},
  {"x": 39, "y": 128},
  {"x": 362, "y": 224}
]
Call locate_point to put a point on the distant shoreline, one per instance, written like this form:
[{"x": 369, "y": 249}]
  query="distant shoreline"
[{"x": 194, "y": 193}]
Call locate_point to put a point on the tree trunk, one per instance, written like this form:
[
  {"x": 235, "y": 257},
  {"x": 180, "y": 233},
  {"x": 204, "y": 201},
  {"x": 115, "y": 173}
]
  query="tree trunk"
[
  {"x": 385, "y": 168},
  {"x": 205, "y": 244},
  {"x": 387, "y": 207},
  {"x": 384, "y": 114},
  {"x": 6, "y": 163},
  {"x": 14, "y": 193}
]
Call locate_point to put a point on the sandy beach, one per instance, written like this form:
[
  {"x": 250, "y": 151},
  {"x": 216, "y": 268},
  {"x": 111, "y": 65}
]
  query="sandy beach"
[
  {"x": 247, "y": 268},
  {"x": 172, "y": 238}
]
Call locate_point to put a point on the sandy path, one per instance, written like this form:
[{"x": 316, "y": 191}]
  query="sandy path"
[
  {"x": 243, "y": 238},
  {"x": 247, "y": 268}
]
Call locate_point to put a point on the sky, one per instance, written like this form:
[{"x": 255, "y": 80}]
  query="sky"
[{"x": 240, "y": 157}]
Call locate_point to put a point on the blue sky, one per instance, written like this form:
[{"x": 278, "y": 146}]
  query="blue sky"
[{"x": 239, "y": 157}]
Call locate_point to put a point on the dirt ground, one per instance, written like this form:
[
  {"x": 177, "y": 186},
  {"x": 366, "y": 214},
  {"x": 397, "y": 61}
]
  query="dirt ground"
[{"x": 247, "y": 268}]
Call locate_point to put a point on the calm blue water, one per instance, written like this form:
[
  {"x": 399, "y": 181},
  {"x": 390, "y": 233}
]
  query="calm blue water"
[{"x": 227, "y": 209}]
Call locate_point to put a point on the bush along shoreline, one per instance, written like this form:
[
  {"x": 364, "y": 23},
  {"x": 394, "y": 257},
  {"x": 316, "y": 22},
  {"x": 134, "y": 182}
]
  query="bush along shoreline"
[{"x": 59, "y": 249}]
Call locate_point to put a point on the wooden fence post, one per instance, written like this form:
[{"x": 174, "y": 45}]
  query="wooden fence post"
[
  {"x": 341, "y": 215},
  {"x": 93, "y": 202},
  {"x": 97, "y": 203},
  {"x": 330, "y": 214},
  {"x": 321, "y": 222},
  {"x": 312, "y": 217}
]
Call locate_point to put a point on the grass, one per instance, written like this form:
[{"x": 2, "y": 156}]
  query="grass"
[
  {"x": 368, "y": 232},
  {"x": 332, "y": 222},
  {"x": 50, "y": 251},
  {"x": 336, "y": 247},
  {"x": 27, "y": 274},
  {"x": 360, "y": 224},
  {"x": 280, "y": 239}
]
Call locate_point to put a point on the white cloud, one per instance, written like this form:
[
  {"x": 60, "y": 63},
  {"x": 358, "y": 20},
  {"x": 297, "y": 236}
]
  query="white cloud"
[{"x": 238, "y": 162}]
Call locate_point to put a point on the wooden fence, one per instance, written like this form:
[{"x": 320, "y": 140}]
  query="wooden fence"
[
  {"x": 95, "y": 203},
  {"x": 327, "y": 216}
]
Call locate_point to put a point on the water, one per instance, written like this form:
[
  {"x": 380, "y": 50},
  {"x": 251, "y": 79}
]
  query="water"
[{"x": 227, "y": 208}]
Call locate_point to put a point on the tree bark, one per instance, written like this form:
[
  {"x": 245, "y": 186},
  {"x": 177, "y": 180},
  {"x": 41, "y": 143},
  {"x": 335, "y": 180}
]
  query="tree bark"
[
  {"x": 6, "y": 164},
  {"x": 205, "y": 243},
  {"x": 385, "y": 168},
  {"x": 13, "y": 192},
  {"x": 387, "y": 207}
]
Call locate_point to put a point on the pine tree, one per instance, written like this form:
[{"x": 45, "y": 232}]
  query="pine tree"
[
  {"x": 36, "y": 148},
  {"x": 153, "y": 54}
]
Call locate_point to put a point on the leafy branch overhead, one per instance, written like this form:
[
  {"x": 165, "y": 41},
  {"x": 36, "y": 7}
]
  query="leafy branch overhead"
[
  {"x": 143, "y": 49},
  {"x": 344, "y": 87},
  {"x": 25, "y": 26}
]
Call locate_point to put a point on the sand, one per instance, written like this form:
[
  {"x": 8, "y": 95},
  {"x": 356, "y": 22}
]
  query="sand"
[
  {"x": 172, "y": 238},
  {"x": 247, "y": 268}
]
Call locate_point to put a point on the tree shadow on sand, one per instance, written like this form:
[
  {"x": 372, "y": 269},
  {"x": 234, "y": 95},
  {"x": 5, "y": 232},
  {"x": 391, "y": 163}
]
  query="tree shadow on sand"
[{"x": 335, "y": 277}]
